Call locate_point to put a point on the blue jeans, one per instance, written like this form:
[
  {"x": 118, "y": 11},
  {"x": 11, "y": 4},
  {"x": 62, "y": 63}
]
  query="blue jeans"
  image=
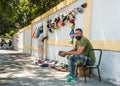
[{"x": 73, "y": 61}]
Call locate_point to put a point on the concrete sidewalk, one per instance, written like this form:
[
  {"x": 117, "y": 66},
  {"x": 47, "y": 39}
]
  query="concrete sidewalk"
[{"x": 17, "y": 69}]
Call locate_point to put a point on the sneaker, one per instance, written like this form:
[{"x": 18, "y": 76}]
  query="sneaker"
[
  {"x": 59, "y": 64},
  {"x": 52, "y": 64},
  {"x": 67, "y": 76},
  {"x": 71, "y": 80}
]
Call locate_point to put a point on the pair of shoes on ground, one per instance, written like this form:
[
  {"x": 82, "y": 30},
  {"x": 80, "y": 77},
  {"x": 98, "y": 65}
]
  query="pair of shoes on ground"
[
  {"x": 62, "y": 67},
  {"x": 43, "y": 63},
  {"x": 40, "y": 62},
  {"x": 37, "y": 62},
  {"x": 70, "y": 79},
  {"x": 52, "y": 63}
]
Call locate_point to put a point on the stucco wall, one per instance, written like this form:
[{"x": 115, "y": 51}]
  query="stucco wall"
[
  {"x": 27, "y": 40},
  {"x": 105, "y": 18}
]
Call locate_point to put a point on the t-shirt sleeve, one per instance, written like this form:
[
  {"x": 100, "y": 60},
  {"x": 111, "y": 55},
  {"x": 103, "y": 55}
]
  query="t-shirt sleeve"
[{"x": 75, "y": 44}]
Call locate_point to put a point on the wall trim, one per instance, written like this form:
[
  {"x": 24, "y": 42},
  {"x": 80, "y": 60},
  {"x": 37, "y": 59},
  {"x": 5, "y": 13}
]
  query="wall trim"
[{"x": 105, "y": 45}]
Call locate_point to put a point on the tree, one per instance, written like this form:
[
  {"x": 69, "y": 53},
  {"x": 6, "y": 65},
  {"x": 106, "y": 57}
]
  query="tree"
[{"x": 15, "y": 14}]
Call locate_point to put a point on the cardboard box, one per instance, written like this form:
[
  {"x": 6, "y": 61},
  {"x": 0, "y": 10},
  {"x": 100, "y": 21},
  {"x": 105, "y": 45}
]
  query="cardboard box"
[{"x": 81, "y": 71}]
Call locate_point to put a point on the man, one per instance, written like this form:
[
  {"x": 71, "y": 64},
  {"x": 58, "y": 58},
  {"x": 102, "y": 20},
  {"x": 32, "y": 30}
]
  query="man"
[
  {"x": 41, "y": 46},
  {"x": 78, "y": 53}
]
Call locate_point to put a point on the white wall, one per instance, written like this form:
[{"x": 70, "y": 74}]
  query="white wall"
[
  {"x": 105, "y": 19},
  {"x": 27, "y": 40},
  {"x": 110, "y": 65},
  {"x": 20, "y": 40}
]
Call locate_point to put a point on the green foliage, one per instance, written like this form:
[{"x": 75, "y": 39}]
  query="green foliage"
[
  {"x": 11, "y": 33},
  {"x": 15, "y": 14},
  {"x": 3, "y": 39}
]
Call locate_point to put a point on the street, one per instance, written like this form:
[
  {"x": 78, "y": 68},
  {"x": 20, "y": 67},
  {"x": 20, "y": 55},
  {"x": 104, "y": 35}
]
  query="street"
[{"x": 18, "y": 69}]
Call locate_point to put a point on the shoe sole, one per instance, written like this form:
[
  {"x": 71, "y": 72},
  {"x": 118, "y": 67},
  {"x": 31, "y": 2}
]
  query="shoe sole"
[{"x": 71, "y": 82}]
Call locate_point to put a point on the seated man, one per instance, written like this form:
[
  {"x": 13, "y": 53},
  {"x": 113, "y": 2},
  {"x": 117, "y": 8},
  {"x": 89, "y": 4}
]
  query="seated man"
[{"x": 78, "y": 53}]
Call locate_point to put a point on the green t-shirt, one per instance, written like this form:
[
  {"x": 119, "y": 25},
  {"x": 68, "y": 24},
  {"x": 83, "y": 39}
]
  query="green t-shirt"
[{"x": 85, "y": 42}]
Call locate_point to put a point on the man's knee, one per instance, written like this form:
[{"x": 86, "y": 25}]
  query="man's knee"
[{"x": 72, "y": 58}]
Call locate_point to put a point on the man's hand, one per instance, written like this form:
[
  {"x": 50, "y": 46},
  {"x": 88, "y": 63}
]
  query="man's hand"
[
  {"x": 62, "y": 53},
  {"x": 44, "y": 38}
]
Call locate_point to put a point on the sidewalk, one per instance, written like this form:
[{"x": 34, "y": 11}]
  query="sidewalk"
[{"x": 17, "y": 69}]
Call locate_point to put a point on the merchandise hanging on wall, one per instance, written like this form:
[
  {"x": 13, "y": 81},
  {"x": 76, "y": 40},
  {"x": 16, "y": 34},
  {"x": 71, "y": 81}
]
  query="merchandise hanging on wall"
[
  {"x": 72, "y": 24},
  {"x": 48, "y": 26},
  {"x": 34, "y": 33},
  {"x": 71, "y": 36},
  {"x": 84, "y": 5},
  {"x": 62, "y": 19},
  {"x": 37, "y": 32}
]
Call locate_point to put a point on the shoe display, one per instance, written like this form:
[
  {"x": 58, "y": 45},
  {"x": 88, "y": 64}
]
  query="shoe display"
[
  {"x": 44, "y": 65},
  {"x": 58, "y": 68},
  {"x": 64, "y": 70},
  {"x": 40, "y": 62},
  {"x": 59, "y": 64},
  {"x": 52, "y": 63}
]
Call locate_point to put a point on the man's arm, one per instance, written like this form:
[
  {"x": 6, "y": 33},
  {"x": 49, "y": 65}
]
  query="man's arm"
[
  {"x": 74, "y": 49},
  {"x": 77, "y": 52},
  {"x": 44, "y": 38},
  {"x": 63, "y": 53}
]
